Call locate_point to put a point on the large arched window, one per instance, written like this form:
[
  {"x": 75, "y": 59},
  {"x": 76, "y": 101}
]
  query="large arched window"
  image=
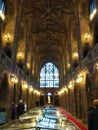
[{"x": 49, "y": 76}]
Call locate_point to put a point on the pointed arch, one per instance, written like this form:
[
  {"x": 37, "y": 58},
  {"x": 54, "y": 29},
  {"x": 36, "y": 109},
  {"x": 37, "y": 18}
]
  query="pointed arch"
[{"x": 49, "y": 76}]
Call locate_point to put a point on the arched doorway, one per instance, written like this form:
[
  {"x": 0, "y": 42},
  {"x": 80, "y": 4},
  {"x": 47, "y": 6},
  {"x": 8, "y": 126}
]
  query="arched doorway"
[
  {"x": 49, "y": 98},
  {"x": 56, "y": 99},
  {"x": 3, "y": 91},
  {"x": 95, "y": 34},
  {"x": 89, "y": 91},
  {"x": 42, "y": 97},
  {"x": 95, "y": 82},
  {"x": 78, "y": 100}
]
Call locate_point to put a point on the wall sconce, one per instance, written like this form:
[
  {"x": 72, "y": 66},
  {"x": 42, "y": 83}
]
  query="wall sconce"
[
  {"x": 61, "y": 91},
  {"x": 66, "y": 89},
  {"x": 79, "y": 79},
  {"x": 86, "y": 45},
  {"x": 87, "y": 36},
  {"x": 75, "y": 56},
  {"x": 25, "y": 85},
  {"x": 20, "y": 56},
  {"x": 13, "y": 78},
  {"x": 31, "y": 89},
  {"x": 97, "y": 66},
  {"x": 28, "y": 66},
  {"x": 38, "y": 93},
  {"x": 70, "y": 86},
  {"x": 35, "y": 91},
  {"x": 68, "y": 66},
  {"x": 7, "y": 37}
]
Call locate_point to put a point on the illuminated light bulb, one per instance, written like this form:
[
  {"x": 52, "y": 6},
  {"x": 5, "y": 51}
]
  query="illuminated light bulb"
[
  {"x": 66, "y": 89},
  {"x": 20, "y": 56},
  {"x": 59, "y": 93},
  {"x": 14, "y": 78},
  {"x": 97, "y": 66},
  {"x": 70, "y": 86},
  {"x": 38, "y": 92},
  {"x": 7, "y": 37},
  {"x": 28, "y": 65},
  {"x": 79, "y": 79},
  {"x": 35, "y": 91},
  {"x": 31, "y": 89},
  {"x": 75, "y": 55},
  {"x": 25, "y": 85},
  {"x": 62, "y": 91},
  {"x": 68, "y": 66}
]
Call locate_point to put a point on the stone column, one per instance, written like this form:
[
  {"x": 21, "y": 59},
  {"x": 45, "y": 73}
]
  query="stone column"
[
  {"x": 84, "y": 102},
  {"x": 64, "y": 99},
  {"x": 32, "y": 99},
  {"x": 80, "y": 47},
  {"x": 26, "y": 51},
  {"x": 78, "y": 96},
  {"x": 0, "y": 32},
  {"x": 64, "y": 54},
  {"x": 70, "y": 47},
  {"x": 31, "y": 60},
  {"x": 78, "y": 34},
  {"x": 33, "y": 54},
  {"x": 16, "y": 36},
  {"x": 73, "y": 101},
  {"x": 0, "y": 41},
  {"x": 45, "y": 94}
]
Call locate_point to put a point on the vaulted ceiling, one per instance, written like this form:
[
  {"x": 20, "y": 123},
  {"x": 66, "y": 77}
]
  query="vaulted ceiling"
[
  {"x": 49, "y": 23},
  {"x": 49, "y": 27}
]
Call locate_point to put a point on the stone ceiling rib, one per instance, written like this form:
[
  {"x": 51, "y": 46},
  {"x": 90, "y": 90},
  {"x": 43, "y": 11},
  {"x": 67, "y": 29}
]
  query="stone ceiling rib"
[{"x": 49, "y": 21}]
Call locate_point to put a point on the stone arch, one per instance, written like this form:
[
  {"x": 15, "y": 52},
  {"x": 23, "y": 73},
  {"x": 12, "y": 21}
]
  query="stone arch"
[
  {"x": 4, "y": 88},
  {"x": 84, "y": 6},
  {"x": 95, "y": 33},
  {"x": 89, "y": 91},
  {"x": 95, "y": 83}
]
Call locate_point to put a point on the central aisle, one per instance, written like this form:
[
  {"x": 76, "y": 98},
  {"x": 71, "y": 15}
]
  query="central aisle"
[{"x": 44, "y": 118}]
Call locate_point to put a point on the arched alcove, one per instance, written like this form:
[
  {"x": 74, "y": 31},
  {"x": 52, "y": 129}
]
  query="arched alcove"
[
  {"x": 3, "y": 91},
  {"x": 89, "y": 91}
]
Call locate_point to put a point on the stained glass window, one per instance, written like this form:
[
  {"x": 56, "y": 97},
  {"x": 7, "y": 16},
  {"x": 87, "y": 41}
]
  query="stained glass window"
[
  {"x": 92, "y": 6},
  {"x": 49, "y": 76},
  {"x": 2, "y": 9}
]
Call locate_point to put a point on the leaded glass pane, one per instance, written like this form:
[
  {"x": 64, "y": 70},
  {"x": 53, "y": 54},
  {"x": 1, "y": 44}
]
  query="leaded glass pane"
[{"x": 49, "y": 76}]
